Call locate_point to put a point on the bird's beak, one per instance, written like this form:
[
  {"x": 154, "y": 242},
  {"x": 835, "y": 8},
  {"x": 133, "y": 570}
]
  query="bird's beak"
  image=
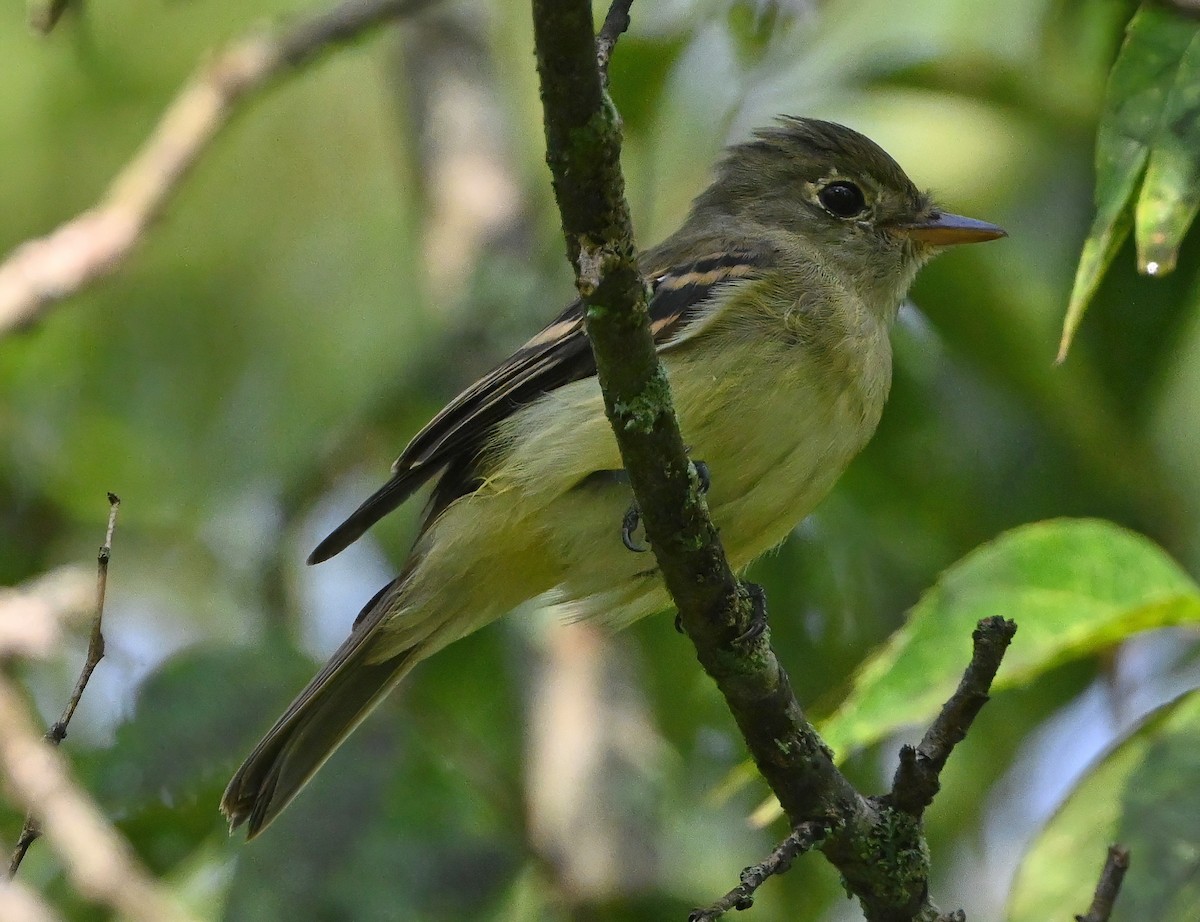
[{"x": 945, "y": 230}]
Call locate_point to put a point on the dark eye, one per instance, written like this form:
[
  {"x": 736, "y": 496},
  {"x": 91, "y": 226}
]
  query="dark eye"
[{"x": 842, "y": 199}]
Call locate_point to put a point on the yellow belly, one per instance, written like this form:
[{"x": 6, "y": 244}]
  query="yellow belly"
[{"x": 775, "y": 432}]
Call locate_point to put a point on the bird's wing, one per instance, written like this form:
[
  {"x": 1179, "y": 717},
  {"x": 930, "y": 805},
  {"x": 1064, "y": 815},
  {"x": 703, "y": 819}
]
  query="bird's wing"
[{"x": 558, "y": 355}]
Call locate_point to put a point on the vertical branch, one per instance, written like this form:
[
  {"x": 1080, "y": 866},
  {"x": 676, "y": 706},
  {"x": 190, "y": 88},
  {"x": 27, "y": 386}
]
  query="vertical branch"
[
  {"x": 95, "y": 652},
  {"x": 583, "y": 140},
  {"x": 583, "y": 149}
]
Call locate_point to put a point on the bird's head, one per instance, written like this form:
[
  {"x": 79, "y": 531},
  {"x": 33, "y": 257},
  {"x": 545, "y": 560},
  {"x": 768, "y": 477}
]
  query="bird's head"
[{"x": 839, "y": 196}]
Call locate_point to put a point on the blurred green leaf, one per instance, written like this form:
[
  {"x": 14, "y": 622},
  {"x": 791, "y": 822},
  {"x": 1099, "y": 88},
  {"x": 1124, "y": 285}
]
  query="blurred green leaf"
[
  {"x": 164, "y": 775},
  {"x": 178, "y": 741},
  {"x": 409, "y": 818},
  {"x": 1145, "y": 796},
  {"x": 1150, "y": 133},
  {"x": 1073, "y": 587},
  {"x": 1171, "y": 190},
  {"x": 289, "y": 325}
]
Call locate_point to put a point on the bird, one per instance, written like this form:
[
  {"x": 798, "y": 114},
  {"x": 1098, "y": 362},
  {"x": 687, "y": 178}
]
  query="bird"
[{"x": 770, "y": 307}]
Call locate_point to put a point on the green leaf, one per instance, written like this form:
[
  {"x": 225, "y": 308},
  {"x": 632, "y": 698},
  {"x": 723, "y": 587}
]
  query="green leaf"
[
  {"x": 1170, "y": 194},
  {"x": 178, "y": 744},
  {"x": 1143, "y": 795},
  {"x": 1149, "y": 135},
  {"x": 1073, "y": 586},
  {"x": 196, "y": 716}
]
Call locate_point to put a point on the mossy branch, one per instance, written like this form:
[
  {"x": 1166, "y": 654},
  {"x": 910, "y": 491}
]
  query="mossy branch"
[{"x": 879, "y": 850}]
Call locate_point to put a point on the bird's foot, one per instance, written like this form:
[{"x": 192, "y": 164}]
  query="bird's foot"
[
  {"x": 633, "y": 515},
  {"x": 629, "y": 524},
  {"x": 703, "y": 475},
  {"x": 758, "y": 615}
]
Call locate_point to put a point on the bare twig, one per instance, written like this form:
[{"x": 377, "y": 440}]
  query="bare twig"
[
  {"x": 94, "y": 244},
  {"x": 95, "y": 652},
  {"x": 615, "y": 23},
  {"x": 801, "y": 839},
  {"x": 97, "y": 859},
  {"x": 1109, "y": 885},
  {"x": 917, "y": 778}
]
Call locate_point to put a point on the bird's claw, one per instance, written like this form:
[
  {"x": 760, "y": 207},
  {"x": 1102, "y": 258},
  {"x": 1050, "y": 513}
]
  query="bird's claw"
[
  {"x": 703, "y": 475},
  {"x": 629, "y": 524},
  {"x": 758, "y": 615},
  {"x": 633, "y": 515}
]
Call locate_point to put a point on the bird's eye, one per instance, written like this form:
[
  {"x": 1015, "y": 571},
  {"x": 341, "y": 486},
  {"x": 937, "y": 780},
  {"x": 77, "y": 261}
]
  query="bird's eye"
[{"x": 842, "y": 199}]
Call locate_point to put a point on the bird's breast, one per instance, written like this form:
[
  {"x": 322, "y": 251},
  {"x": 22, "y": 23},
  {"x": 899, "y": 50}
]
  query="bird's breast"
[
  {"x": 775, "y": 418},
  {"x": 777, "y": 421}
]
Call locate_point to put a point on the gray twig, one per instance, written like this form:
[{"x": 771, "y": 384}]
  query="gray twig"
[
  {"x": 96, "y": 858},
  {"x": 917, "y": 778},
  {"x": 1109, "y": 886},
  {"x": 800, "y": 840},
  {"x": 615, "y": 23},
  {"x": 868, "y": 841},
  {"x": 95, "y": 652}
]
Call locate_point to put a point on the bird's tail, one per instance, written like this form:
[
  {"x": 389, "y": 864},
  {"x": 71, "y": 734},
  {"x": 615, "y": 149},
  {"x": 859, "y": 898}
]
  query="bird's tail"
[{"x": 313, "y": 726}]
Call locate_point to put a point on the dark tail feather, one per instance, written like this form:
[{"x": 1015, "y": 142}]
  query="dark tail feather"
[
  {"x": 373, "y": 508},
  {"x": 314, "y": 725}
]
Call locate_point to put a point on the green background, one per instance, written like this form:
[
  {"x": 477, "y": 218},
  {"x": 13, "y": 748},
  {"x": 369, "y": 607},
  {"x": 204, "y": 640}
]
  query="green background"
[{"x": 368, "y": 237}]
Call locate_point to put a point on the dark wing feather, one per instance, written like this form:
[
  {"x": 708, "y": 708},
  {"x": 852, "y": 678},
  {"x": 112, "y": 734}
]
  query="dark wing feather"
[{"x": 558, "y": 355}]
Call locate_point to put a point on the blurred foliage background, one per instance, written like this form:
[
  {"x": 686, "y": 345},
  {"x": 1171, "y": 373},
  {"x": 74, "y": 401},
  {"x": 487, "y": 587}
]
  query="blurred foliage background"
[{"x": 369, "y": 237}]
